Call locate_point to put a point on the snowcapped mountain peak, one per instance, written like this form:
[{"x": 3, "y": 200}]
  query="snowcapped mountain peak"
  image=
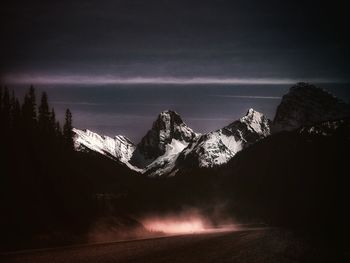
[
  {"x": 168, "y": 126},
  {"x": 218, "y": 147},
  {"x": 256, "y": 122},
  {"x": 89, "y": 133},
  {"x": 119, "y": 147},
  {"x": 252, "y": 115}
]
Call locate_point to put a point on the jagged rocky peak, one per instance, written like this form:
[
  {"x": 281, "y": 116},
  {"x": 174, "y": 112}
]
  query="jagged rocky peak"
[
  {"x": 250, "y": 128},
  {"x": 119, "y": 147},
  {"x": 218, "y": 147},
  {"x": 257, "y": 122},
  {"x": 305, "y": 105},
  {"x": 168, "y": 126}
]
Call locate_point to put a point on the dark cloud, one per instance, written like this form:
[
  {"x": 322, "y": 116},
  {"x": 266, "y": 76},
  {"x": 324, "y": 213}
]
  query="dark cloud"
[{"x": 175, "y": 38}]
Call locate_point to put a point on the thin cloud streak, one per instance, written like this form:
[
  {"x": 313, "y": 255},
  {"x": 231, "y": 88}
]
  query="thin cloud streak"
[
  {"x": 76, "y": 103},
  {"x": 248, "y": 97},
  {"x": 110, "y": 79}
]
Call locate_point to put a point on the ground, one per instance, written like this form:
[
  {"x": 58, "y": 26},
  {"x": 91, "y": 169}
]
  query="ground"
[{"x": 249, "y": 245}]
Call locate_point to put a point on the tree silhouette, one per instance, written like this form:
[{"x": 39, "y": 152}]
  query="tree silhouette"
[
  {"x": 6, "y": 109},
  {"x": 39, "y": 176},
  {"x": 55, "y": 128},
  {"x": 2, "y": 124},
  {"x": 29, "y": 110},
  {"x": 15, "y": 112},
  {"x": 44, "y": 115},
  {"x": 1, "y": 101},
  {"x": 52, "y": 119},
  {"x": 58, "y": 130},
  {"x": 68, "y": 130}
]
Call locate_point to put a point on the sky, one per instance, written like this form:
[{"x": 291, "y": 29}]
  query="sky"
[
  {"x": 52, "y": 44},
  {"x": 127, "y": 39}
]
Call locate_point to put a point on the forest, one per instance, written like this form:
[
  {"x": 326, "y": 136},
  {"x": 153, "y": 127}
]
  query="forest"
[{"x": 41, "y": 190}]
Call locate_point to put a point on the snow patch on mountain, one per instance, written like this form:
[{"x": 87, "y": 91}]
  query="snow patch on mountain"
[
  {"x": 327, "y": 128},
  {"x": 218, "y": 147},
  {"x": 210, "y": 150},
  {"x": 119, "y": 147},
  {"x": 165, "y": 164},
  {"x": 256, "y": 122}
]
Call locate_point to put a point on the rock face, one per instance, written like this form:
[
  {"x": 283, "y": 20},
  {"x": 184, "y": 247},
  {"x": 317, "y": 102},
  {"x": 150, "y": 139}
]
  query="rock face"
[
  {"x": 328, "y": 128},
  {"x": 218, "y": 147},
  {"x": 168, "y": 127},
  {"x": 119, "y": 148},
  {"x": 306, "y": 105}
]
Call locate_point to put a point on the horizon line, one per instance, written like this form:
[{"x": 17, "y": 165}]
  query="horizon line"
[{"x": 110, "y": 79}]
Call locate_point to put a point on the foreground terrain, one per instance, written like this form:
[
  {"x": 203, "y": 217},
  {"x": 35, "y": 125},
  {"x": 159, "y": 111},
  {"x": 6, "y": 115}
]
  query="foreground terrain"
[{"x": 250, "y": 245}]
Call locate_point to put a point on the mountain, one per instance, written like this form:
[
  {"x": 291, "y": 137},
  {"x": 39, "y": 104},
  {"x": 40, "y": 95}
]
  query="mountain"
[
  {"x": 119, "y": 148},
  {"x": 305, "y": 105},
  {"x": 154, "y": 155},
  {"x": 328, "y": 128},
  {"x": 170, "y": 144},
  {"x": 218, "y": 147},
  {"x": 293, "y": 178},
  {"x": 169, "y": 135}
]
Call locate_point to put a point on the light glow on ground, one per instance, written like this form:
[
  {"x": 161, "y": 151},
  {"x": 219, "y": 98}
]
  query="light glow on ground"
[
  {"x": 188, "y": 223},
  {"x": 174, "y": 226}
]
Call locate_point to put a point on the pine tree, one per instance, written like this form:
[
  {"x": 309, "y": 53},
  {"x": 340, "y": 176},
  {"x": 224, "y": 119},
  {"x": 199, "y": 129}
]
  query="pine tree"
[
  {"x": 52, "y": 121},
  {"x": 1, "y": 101},
  {"x": 15, "y": 114},
  {"x": 29, "y": 110},
  {"x": 6, "y": 109},
  {"x": 44, "y": 115},
  {"x": 1, "y": 111},
  {"x": 58, "y": 130},
  {"x": 32, "y": 101},
  {"x": 68, "y": 130},
  {"x": 55, "y": 128},
  {"x": 12, "y": 105}
]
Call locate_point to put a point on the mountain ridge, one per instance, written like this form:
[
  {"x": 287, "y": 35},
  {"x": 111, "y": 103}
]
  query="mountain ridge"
[
  {"x": 170, "y": 145},
  {"x": 169, "y": 138},
  {"x": 306, "y": 104},
  {"x": 218, "y": 147},
  {"x": 167, "y": 127}
]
